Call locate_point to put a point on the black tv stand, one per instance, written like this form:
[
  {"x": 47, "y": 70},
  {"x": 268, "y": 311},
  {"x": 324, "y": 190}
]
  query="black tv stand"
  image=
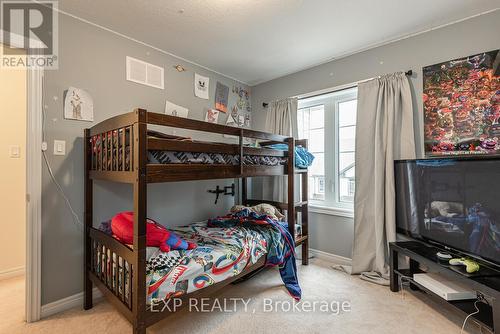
[{"x": 422, "y": 258}]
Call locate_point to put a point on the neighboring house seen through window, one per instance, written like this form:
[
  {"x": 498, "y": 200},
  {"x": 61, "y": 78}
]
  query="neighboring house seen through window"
[{"x": 328, "y": 121}]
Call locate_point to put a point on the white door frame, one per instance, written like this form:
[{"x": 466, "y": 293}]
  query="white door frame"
[
  {"x": 34, "y": 121},
  {"x": 34, "y": 194}
]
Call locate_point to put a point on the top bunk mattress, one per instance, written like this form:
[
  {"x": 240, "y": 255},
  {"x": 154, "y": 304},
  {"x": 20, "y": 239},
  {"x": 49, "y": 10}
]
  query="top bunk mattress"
[
  {"x": 113, "y": 148},
  {"x": 176, "y": 157}
]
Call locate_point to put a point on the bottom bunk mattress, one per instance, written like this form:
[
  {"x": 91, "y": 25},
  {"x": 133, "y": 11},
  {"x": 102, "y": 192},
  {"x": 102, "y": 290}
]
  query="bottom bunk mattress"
[
  {"x": 221, "y": 253},
  {"x": 225, "y": 247}
]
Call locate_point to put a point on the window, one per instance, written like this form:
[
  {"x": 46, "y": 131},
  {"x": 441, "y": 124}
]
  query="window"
[
  {"x": 328, "y": 121},
  {"x": 312, "y": 127}
]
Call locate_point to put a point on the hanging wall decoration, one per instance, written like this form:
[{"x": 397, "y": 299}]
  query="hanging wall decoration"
[
  {"x": 173, "y": 109},
  {"x": 461, "y": 101},
  {"x": 232, "y": 120},
  {"x": 180, "y": 68},
  {"x": 212, "y": 116},
  {"x": 78, "y": 105},
  {"x": 221, "y": 97},
  {"x": 243, "y": 98},
  {"x": 201, "y": 86}
]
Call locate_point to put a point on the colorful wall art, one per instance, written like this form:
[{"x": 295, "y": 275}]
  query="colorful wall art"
[
  {"x": 461, "y": 100},
  {"x": 212, "y": 116},
  {"x": 221, "y": 97},
  {"x": 243, "y": 98}
]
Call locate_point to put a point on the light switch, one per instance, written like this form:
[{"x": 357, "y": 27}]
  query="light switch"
[
  {"x": 59, "y": 147},
  {"x": 15, "y": 151}
]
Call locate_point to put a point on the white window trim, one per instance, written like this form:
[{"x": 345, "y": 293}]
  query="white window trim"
[
  {"x": 332, "y": 211},
  {"x": 332, "y": 206},
  {"x": 337, "y": 202}
]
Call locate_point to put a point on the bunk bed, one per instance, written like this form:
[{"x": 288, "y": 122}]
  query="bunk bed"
[{"x": 122, "y": 149}]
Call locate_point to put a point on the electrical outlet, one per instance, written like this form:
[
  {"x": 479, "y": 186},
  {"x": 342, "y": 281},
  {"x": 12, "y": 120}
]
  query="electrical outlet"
[{"x": 59, "y": 147}]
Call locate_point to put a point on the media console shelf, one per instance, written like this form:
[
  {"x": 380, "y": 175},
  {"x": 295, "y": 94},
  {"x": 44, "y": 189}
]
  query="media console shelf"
[{"x": 422, "y": 258}]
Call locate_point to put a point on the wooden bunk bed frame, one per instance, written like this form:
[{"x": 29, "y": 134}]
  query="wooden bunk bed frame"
[{"x": 130, "y": 129}]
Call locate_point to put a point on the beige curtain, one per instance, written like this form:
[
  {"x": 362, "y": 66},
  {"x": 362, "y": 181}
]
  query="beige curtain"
[
  {"x": 384, "y": 132},
  {"x": 282, "y": 120}
]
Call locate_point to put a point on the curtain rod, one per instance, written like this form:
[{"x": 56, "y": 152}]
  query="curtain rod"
[{"x": 407, "y": 73}]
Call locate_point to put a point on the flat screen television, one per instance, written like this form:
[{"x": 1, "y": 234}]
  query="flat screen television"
[{"x": 454, "y": 202}]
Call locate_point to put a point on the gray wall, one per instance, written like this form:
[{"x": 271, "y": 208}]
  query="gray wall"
[
  {"x": 94, "y": 60},
  {"x": 335, "y": 234}
]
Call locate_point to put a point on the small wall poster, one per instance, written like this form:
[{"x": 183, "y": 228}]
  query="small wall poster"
[
  {"x": 212, "y": 116},
  {"x": 232, "y": 120},
  {"x": 462, "y": 106},
  {"x": 173, "y": 109},
  {"x": 243, "y": 98},
  {"x": 78, "y": 105},
  {"x": 221, "y": 97},
  {"x": 201, "y": 86}
]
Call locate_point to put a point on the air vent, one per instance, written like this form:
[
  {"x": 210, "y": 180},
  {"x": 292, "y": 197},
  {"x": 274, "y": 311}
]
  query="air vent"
[{"x": 145, "y": 73}]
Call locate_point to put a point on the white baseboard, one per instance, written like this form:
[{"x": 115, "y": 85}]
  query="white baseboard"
[
  {"x": 337, "y": 259},
  {"x": 77, "y": 299},
  {"x": 14, "y": 272},
  {"x": 67, "y": 303}
]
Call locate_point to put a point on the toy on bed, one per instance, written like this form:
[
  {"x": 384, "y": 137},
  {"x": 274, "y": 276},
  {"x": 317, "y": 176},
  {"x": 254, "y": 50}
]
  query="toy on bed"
[
  {"x": 157, "y": 235},
  {"x": 261, "y": 209}
]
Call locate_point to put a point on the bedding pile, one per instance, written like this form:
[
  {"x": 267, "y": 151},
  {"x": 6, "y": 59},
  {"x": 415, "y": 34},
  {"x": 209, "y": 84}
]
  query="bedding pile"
[
  {"x": 221, "y": 254},
  {"x": 280, "y": 248},
  {"x": 225, "y": 247},
  {"x": 303, "y": 158}
]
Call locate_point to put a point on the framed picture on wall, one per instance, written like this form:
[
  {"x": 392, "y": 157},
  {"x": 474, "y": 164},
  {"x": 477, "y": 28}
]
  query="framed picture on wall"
[{"x": 461, "y": 102}]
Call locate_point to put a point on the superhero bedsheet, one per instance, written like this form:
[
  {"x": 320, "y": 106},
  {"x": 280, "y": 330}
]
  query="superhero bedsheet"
[
  {"x": 221, "y": 253},
  {"x": 224, "y": 250}
]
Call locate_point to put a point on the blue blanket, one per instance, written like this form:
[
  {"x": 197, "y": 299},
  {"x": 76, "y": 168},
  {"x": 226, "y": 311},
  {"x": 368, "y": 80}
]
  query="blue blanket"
[
  {"x": 303, "y": 158},
  {"x": 280, "y": 244}
]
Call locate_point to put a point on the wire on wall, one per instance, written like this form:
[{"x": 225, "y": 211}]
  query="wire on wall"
[{"x": 76, "y": 219}]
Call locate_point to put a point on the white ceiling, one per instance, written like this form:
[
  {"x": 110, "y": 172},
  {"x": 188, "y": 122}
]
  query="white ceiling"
[{"x": 255, "y": 41}]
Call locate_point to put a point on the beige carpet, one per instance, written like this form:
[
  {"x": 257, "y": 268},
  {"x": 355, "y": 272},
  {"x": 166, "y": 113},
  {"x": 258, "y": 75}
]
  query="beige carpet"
[{"x": 374, "y": 309}]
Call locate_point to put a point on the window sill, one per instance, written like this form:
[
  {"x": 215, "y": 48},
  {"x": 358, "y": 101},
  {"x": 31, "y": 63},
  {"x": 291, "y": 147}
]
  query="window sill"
[{"x": 339, "y": 212}]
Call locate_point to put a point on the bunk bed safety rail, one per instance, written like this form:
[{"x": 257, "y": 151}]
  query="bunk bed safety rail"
[
  {"x": 110, "y": 150},
  {"x": 112, "y": 266}
]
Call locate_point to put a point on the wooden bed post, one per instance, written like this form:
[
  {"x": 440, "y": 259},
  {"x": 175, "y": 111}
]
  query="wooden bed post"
[
  {"x": 291, "y": 188},
  {"x": 89, "y": 193},
  {"x": 304, "y": 214},
  {"x": 140, "y": 212}
]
